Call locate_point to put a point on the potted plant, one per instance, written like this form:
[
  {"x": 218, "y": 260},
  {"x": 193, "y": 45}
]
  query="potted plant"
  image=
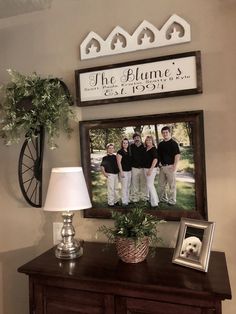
[
  {"x": 31, "y": 102},
  {"x": 133, "y": 233}
]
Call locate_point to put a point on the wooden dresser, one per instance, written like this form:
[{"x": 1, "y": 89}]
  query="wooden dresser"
[{"x": 98, "y": 282}]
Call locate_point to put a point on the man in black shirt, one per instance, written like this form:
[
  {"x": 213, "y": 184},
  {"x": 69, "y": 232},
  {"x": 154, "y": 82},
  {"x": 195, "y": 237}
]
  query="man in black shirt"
[
  {"x": 168, "y": 157},
  {"x": 110, "y": 170},
  {"x": 138, "y": 182}
]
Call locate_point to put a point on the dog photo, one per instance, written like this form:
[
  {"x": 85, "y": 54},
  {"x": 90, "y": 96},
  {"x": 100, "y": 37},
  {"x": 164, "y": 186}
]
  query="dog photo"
[{"x": 191, "y": 248}]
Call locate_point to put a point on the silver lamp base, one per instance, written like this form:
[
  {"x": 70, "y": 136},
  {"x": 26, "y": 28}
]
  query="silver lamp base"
[{"x": 68, "y": 248}]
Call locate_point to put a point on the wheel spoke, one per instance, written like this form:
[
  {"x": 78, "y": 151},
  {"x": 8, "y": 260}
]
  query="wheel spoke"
[
  {"x": 29, "y": 184},
  {"x": 28, "y": 180},
  {"x": 34, "y": 190},
  {"x": 31, "y": 168},
  {"x": 28, "y": 156},
  {"x": 30, "y": 151}
]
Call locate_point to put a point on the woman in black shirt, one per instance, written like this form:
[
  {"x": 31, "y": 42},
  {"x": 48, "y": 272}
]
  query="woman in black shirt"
[
  {"x": 150, "y": 169},
  {"x": 124, "y": 164}
]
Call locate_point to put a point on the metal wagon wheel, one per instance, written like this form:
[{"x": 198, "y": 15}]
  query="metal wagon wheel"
[{"x": 30, "y": 168}]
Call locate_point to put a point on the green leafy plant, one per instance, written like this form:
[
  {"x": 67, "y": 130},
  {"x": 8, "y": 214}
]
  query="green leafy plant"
[
  {"x": 30, "y": 102},
  {"x": 134, "y": 224}
]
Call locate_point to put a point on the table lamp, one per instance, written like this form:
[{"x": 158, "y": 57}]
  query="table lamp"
[{"x": 67, "y": 192}]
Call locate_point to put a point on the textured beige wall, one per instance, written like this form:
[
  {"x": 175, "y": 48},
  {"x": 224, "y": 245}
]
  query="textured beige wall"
[{"x": 48, "y": 42}]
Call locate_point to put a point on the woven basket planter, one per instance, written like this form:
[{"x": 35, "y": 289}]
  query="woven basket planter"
[{"x": 131, "y": 251}]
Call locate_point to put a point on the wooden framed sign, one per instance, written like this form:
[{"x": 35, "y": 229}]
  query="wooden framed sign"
[{"x": 166, "y": 76}]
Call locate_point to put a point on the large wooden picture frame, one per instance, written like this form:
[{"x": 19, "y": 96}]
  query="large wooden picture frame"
[
  {"x": 188, "y": 130},
  {"x": 165, "y": 76}
]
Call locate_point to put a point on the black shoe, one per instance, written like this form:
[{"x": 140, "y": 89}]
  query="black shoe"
[
  {"x": 154, "y": 207},
  {"x": 111, "y": 205},
  {"x": 170, "y": 204},
  {"x": 124, "y": 206},
  {"x": 163, "y": 202},
  {"x": 117, "y": 204}
]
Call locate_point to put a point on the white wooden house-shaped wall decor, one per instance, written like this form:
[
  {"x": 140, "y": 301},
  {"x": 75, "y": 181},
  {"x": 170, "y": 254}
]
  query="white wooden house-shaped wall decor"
[{"x": 175, "y": 31}]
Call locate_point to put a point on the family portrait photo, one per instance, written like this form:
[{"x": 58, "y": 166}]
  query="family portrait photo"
[
  {"x": 153, "y": 161},
  {"x": 122, "y": 157}
]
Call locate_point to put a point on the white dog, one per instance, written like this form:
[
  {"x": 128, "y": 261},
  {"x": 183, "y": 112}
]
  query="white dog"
[{"x": 191, "y": 248}]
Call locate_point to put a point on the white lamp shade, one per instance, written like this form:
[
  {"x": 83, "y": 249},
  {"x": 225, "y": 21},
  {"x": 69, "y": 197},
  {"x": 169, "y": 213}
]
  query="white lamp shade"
[{"x": 67, "y": 190}]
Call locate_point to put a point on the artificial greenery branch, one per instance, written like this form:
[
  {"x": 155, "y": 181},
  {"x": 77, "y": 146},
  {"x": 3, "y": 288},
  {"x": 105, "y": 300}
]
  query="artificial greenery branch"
[
  {"x": 134, "y": 224},
  {"x": 30, "y": 102}
]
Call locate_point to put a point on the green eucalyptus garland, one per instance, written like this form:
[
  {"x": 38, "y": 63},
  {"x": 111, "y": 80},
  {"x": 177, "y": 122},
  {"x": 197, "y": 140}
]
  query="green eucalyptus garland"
[{"x": 30, "y": 102}]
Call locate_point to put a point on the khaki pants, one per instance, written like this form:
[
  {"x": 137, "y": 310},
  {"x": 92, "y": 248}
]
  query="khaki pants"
[
  {"x": 112, "y": 189},
  {"x": 138, "y": 185},
  {"x": 167, "y": 177}
]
